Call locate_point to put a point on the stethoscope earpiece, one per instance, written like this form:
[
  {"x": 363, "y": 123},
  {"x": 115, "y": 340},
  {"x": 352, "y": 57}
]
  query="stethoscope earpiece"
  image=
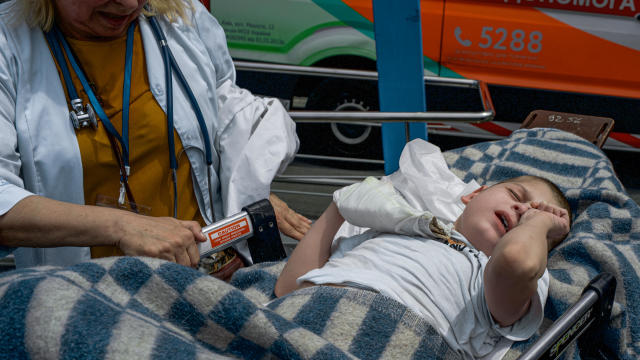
[{"x": 82, "y": 117}]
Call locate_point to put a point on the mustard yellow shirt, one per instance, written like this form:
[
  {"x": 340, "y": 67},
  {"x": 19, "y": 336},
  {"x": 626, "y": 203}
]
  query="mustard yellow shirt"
[{"x": 150, "y": 178}]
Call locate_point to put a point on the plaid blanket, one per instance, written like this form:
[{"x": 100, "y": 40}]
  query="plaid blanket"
[
  {"x": 134, "y": 308},
  {"x": 605, "y": 234},
  {"x": 147, "y": 308}
]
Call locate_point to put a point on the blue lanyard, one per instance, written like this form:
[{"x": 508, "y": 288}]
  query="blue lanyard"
[{"x": 55, "y": 38}]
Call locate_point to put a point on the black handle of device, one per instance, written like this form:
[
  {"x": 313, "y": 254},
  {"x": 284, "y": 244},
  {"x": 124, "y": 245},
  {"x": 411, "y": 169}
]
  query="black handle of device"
[{"x": 265, "y": 244}]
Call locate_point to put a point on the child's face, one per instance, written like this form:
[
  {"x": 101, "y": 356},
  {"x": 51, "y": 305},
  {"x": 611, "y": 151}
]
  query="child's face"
[{"x": 492, "y": 211}]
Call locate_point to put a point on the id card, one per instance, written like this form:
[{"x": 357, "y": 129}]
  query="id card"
[{"x": 112, "y": 202}]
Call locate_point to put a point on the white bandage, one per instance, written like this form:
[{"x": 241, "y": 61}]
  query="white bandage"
[
  {"x": 422, "y": 185},
  {"x": 425, "y": 181},
  {"x": 377, "y": 205}
]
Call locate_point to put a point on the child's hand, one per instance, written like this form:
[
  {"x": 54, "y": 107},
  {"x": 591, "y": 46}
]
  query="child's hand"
[{"x": 558, "y": 219}]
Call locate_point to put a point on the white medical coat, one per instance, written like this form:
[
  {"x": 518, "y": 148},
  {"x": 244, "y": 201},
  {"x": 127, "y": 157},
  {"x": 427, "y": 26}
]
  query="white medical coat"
[{"x": 253, "y": 138}]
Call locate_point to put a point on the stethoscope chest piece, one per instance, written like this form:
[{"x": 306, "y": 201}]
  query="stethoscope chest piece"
[{"x": 82, "y": 117}]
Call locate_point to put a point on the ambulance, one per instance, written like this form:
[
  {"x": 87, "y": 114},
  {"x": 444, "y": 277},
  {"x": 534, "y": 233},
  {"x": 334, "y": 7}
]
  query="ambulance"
[{"x": 578, "y": 56}]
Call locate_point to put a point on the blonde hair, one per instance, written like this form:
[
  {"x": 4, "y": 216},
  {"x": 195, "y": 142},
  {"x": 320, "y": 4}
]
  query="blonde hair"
[{"x": 41, "y": 13}]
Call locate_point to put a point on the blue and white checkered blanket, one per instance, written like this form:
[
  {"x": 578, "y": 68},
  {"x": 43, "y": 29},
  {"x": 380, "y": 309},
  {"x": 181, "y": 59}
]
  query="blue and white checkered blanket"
[{"x": 148, "y": 308}]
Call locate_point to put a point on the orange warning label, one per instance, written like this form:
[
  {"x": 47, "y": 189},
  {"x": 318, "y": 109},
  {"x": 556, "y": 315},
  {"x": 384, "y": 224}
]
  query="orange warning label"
[{"x": 229, "y": 232}]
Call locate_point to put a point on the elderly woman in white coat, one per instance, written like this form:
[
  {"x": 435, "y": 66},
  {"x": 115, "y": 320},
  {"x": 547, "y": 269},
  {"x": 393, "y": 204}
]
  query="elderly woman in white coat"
[{"x": 64, "y": 190}]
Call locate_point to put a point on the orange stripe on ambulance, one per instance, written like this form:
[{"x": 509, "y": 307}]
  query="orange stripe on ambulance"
[{"x": 612, "y": 7}]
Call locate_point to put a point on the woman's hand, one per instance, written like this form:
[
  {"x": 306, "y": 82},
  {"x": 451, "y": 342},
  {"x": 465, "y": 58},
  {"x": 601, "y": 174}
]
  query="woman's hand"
[
  {"x": 160, "y": 237},
  {"x": 290, "y": 222},
  {"x": 36, "y": 221}
]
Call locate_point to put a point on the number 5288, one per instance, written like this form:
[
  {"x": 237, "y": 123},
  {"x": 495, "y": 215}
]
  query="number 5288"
[{"x": 518, "y": 40}]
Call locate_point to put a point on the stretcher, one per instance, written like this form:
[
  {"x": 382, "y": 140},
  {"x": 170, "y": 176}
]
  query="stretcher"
[
  {"x": 582, "y": 322},
  {"x": 590, "y": 314},
  {"x": 149, "y": 307}
]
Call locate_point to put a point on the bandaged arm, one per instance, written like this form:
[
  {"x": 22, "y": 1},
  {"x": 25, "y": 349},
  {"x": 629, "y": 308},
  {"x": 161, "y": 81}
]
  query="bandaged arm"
[{"x": 376, "y": 204}]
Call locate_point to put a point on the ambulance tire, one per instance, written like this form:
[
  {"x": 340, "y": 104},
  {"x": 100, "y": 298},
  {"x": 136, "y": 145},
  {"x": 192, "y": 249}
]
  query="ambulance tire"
[{"x": 340, "y": 139}]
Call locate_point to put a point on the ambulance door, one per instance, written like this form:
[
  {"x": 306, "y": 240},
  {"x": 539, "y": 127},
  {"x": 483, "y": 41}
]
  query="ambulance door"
[{"x": 583, "y": 46}]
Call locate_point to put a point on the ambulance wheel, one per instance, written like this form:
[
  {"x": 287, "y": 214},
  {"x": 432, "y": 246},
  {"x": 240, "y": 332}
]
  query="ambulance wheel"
[{"x": 341, "y": 139}]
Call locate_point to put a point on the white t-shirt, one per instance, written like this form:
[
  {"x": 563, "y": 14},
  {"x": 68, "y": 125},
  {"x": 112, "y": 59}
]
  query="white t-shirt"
[{"x": 441, "y": 281}]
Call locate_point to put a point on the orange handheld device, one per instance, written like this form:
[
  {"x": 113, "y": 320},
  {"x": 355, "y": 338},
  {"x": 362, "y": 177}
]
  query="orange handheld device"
[{"x": 256, "y": 224}]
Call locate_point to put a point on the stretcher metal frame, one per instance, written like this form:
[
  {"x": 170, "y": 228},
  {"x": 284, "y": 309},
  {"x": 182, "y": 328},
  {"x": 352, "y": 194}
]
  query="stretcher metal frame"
[{"x": 583, "y": 321}]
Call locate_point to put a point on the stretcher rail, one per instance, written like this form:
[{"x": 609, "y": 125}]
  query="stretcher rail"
[
  {"x": 320, "y": 180},
  {"x": 358, "y": 117},
  {"x": 339, "y": 158},
  {"x": 583, "y": 321},
  {"x": 487, "y": 113}
]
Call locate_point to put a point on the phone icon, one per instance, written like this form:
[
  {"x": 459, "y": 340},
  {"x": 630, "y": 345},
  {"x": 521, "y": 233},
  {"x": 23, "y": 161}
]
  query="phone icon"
[{"x": 457, "y": 32}]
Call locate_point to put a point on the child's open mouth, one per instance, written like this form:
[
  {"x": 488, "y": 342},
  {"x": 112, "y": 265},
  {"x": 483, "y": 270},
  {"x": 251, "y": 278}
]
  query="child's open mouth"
[{"x": 504, "y": 222}]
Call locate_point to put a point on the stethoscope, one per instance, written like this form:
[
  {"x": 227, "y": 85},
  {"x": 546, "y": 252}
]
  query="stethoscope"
[{"x": 85, "y": 116}]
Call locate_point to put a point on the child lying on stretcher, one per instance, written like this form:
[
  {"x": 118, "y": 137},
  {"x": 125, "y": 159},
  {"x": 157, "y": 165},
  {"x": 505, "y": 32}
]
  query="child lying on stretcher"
[{"x": 480, "y": 280}]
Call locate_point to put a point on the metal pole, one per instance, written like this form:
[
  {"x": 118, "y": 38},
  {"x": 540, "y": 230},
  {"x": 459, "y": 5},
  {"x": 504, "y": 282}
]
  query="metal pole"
[{"x": 400, "y": 71}]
